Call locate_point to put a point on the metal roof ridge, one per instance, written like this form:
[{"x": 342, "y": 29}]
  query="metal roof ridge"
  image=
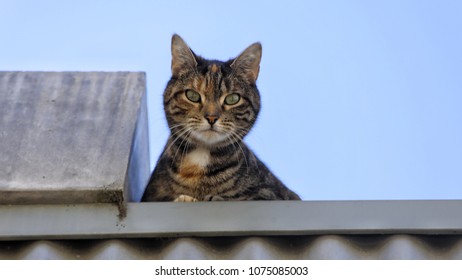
[{"x": 237, "y": 218}]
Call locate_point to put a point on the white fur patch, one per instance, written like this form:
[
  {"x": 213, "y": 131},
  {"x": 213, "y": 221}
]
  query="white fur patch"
[{"x": 199, "y": 156}]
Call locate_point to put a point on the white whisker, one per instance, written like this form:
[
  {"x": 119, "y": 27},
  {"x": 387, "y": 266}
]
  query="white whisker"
[
  {"x": 185, "y": 147},
  {"x": 188, "y": 132},
  {"x": 178, "y": 135},
  {"x": 234, "y": 134}
]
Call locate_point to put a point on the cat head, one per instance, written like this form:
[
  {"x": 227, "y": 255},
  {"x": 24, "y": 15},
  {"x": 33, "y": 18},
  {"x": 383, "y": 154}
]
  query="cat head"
[{"x": 210, "y": 102}]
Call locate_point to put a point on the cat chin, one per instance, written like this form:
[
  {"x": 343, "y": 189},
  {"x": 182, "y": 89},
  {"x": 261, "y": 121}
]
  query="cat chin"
[{"x": 209, "y": 138}]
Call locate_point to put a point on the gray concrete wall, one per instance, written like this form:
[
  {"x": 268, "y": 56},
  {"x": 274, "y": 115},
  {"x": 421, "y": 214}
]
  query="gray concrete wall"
[{"x": 72, "y": 137}]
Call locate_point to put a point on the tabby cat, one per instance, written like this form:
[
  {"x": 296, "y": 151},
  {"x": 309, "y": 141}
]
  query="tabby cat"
[{"x": 210, "y": 106}]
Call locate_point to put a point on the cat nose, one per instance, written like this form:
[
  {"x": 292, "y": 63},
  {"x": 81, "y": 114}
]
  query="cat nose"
[{"x": 212, "y": 119}]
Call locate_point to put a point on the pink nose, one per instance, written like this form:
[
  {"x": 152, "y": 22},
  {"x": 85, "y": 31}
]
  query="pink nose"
[{"x": 211, "y": 119}]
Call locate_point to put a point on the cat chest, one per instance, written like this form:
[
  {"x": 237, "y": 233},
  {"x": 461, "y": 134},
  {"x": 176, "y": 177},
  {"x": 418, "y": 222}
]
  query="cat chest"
[{"x": 193, "y": 166}]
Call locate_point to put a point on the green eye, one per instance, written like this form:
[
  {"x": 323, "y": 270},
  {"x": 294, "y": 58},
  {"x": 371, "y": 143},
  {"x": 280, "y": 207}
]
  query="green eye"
[
  {"x": 193, "y": 96},
  {"x": 232, "y": 99}
]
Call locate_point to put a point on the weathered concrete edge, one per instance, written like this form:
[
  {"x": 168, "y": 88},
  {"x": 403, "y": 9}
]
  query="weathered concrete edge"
[
  {"x": 138, "y": 169},
  {"x": 109, "y": 194},
  {"x": 265, "y": 218}
]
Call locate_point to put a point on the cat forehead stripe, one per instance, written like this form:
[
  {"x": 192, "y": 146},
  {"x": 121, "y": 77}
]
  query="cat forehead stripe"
[{"x": 214, "y": 68}]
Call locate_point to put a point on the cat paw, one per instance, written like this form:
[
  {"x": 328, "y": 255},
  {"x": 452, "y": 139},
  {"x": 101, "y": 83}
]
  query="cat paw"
[
  {"x": 185, "y": 198},
  {"x": 214, "y": 198}
]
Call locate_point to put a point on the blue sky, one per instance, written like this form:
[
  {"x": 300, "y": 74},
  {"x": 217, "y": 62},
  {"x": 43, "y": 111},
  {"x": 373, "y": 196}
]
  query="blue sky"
[{"x": 361, "y": 99}]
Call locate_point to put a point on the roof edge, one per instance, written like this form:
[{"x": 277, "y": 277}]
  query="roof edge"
[{"x": 239, "y": 218}]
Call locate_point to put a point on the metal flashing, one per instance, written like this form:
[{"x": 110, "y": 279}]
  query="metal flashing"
[{"x": 243, "y": 218}]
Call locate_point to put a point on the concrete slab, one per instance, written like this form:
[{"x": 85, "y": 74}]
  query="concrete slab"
[{"x": 73, "y": 137}]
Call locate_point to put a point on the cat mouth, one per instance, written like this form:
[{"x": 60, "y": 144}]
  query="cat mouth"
[
  {"x": 211, "y": 132},
  {"x": 210, "y": 136}
]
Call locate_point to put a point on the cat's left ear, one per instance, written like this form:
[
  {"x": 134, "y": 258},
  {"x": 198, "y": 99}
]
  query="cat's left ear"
[
  {"x": 248, "y": 62},
  {"x": 182, "y": 56}
]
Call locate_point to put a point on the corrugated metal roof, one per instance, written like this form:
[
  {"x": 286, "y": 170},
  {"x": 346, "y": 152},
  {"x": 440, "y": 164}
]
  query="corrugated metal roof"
[
  {"x": 276, "y": 247},
  {"x": 234, "y": 230}
]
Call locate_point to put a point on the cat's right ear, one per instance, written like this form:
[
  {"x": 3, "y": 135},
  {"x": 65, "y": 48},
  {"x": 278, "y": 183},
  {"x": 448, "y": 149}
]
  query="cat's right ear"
[
  {"x": 248, "y": 62},
  {"x": 183, "y": 59}
]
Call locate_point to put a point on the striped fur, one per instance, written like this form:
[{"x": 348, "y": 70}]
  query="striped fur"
[{"x": 205, "y": 158}]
